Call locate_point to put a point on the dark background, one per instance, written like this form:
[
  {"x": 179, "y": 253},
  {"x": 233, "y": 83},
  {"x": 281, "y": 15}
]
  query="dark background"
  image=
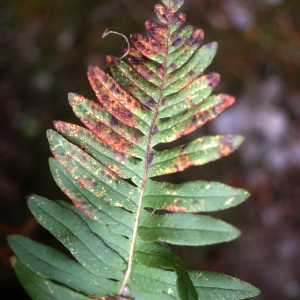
[{"x": 45, "y": 48}]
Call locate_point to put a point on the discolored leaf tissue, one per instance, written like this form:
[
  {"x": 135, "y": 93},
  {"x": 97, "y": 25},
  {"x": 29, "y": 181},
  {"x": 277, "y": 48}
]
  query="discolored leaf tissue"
[{"x": 108, "y": 168}]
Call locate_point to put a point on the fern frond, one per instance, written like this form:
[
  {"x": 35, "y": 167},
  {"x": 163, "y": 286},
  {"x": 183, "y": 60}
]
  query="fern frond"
[{"x": 109, "y": 170}]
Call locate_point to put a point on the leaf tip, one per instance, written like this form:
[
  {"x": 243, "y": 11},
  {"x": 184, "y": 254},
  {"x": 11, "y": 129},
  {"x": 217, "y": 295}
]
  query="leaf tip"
[
  {"x": 29, "y": 198},
  {"x": 212, "y": 46},
  {"x": 238, "y": 140},
  {"x": 71, "y": 98},
  {"x": 49, "y": 134},
  {"x": 56, "y": 123},
  {"x": 110, "y": 60},
  {"x": 13, "y": 260}
]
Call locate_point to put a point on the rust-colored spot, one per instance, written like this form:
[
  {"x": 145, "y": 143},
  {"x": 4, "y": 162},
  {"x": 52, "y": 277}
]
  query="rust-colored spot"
[
  {"x": 178, "y": 19},
  {"x": 98, "y": 80},
  {"x": 111, "y": 176},
  {"x": 197, "y": 37},
  {"x": 180, "y": 163},
  {"x": 162, "y": 12},
  {"x": 202, "y": 117},
  {"x": 157, "y": 31},
  {"x": 160, "y": 70},
  {"x": 214, "y": 79},
  {"x": 226, "y": 146},
  {"x": 101, "y": 130},
  {"x": 176, "y": 208},
  {"x": 109, "y": 297},
  {"x": 119, "y": 156},
  {"x": 147, "y": 45},
  {"x": 79, "y": 204},
  {"x": 111, "y": 60},
  {"x": 137, "y": 63}
]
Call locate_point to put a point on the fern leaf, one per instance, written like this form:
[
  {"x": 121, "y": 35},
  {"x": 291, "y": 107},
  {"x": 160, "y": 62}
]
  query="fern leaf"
[{"x": 109, "y": 169}]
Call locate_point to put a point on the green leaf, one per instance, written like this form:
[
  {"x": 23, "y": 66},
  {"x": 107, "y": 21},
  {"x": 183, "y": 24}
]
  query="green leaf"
[
  {"x": 214, "y": 286},
  {"x": 94, "y": 176},
  {"x": 87, "y": 247},
  {"x": 189, "y": 95},
  {"x": 197, "y": 196},
  {"x": 117, "y": 220},
  {"x": 147, "y": 93},
  {"x": 194, "y": 68},
  {"x": 55, "y": 266},
  {"x": 191, "y": 119},
  {"x": 184, "y": 229},
  {"x": 209, "y": 285},
  {"x": 120, "y": 216},
  {"x": 196, "y": 153},
  {"x": 117, "y": 135},
  {"x": 41, "y": 288},
  {"x": 155, "y": 255},
  {"x": 123, "y": 166}
]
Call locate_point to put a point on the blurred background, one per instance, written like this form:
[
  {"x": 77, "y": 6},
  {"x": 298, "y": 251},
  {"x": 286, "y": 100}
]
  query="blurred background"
[{"x": 45, "y": 48}]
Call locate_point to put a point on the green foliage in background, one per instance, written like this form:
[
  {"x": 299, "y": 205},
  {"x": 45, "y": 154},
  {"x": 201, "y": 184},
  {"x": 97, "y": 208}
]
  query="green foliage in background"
[{"x": 122, "y": 216}]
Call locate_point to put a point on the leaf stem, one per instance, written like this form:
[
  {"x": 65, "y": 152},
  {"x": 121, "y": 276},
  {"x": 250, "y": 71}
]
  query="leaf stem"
[
  {"x": 106, "y": 33},
  {"x": 144, "y": 180}
]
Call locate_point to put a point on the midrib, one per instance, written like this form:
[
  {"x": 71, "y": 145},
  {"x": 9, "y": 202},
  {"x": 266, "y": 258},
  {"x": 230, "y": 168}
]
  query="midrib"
[{"x": 144, "y": 180}]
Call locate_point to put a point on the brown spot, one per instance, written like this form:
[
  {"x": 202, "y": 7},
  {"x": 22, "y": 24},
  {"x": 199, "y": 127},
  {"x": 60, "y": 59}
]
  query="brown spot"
[
  {"x": 99, "y": 80},
  {"x": 177, "y": 42},
  {"x": 176, "y": 167},
  {"x": 214, "y": 79},
  {"x": 191, "y": 73},
  {"x": 178, "y": 19},
  {"x": 111, "y": 60},
  {"x": 142, "y": 69},
  {"x": 106, "y": 135},
  {"x": 134, "y": 61},
  {"x": 173, "y": 67},
  {"x": 114, "y": 122},
  {"x": 150, "y": 103},
  {"x": 119, "y": 156},
  {"x": 162, "y": 13},
  {"x": 154, "y": 130},
  {"x": 79, "y": 204},
  {"x": 201, "y": 117},
  {"x": 157, "y": 31},
  {"x": 148, "y": 46},
  {"x": 160, "y": 71},
  {"x": 110, "y": 176},
  {"x": 164, "y": 102},
  {"x": 117, "y": 101},
  {"x": 150, "y": 157},
  {"x": 94, "y": 185}
]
